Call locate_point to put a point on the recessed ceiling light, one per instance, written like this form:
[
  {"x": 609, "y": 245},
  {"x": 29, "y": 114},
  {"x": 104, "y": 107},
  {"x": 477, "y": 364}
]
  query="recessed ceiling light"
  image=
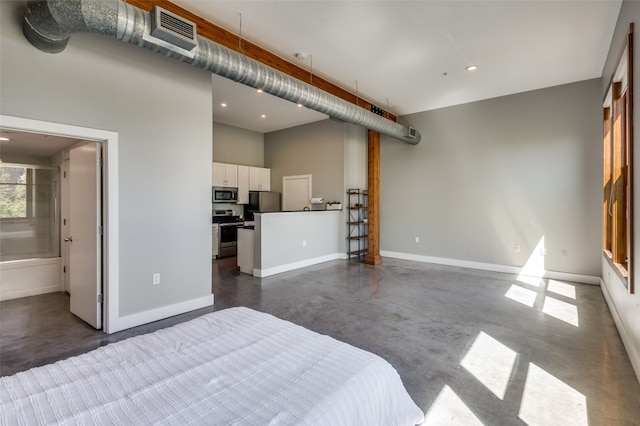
[
  {"x": 471, "y": 68},
  {"x": 299, "y": 105},
  {"x": 4, "y": 139},
  {"x": 259, "y": 90},
  {"x": 223, "y": 104},
  {"x": 264, "y": 116}
]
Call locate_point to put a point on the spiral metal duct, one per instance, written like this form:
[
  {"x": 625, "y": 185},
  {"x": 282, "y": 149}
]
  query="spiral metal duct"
[{"x": 48, "y": 25}]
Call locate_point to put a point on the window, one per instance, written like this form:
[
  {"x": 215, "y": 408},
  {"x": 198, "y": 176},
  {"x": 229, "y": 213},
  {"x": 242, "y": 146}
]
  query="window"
[
  {"x": 617, "y": 155},
  {"x": 15, "y": 196}
]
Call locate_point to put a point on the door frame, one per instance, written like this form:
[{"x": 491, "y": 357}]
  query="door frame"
[{"x": 110, "y": 203}]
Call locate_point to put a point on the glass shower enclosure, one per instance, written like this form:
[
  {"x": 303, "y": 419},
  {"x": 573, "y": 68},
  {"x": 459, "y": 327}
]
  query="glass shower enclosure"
[{"x": 29, "y": 212}]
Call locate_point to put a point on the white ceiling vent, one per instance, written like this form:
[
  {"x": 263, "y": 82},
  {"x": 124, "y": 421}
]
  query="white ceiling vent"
[{"x": 173, "y": 29}]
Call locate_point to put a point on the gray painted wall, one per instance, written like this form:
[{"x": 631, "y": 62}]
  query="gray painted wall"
[
  {"x": 162, "y": 112},
  {"x": 624, "y": 306},
  {"x": 333, "y": 153},
  {"x": 237, "y": 146},
  {"x": 497, "y": 173},
  {"x": 317, "y": 149}
]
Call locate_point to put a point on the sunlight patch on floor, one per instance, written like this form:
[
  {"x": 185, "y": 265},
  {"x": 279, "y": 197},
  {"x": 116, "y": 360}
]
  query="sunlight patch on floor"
[
  {"x": 545, "y": 400},
  {"x": 448, "y": 409},
  {"x": 491, "y": 363},
  {"x": 533, "y": 273},
  {"x": 531, "y": 280},
  {"x": 563, "y": 289},
  {"x": 561, "y": 310},
  {"x": 548, "y": 401},
  {"x": 522, "y": 295}
]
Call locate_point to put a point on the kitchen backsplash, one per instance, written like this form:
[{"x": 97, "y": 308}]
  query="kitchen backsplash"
[{"x": 238, "y": 209}]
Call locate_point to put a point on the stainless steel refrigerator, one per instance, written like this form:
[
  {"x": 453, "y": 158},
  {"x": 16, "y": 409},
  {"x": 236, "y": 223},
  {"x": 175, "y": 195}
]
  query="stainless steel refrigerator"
[{"x": 261, "y": 201}]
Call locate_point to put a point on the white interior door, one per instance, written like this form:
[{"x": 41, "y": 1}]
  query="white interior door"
[
  {"x": 85, "y": 229},
  {"x": 296, "y": 192}
]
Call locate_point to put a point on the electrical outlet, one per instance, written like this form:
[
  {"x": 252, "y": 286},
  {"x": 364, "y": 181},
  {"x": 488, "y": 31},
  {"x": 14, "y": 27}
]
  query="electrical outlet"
[
  {"x": 516, "y": 248},
  {"x": 417, "y": 240},
  {"x": 564, "y": 252},
  {"x": 156, "y": 279},
  {"x": 304, "y": 243}
]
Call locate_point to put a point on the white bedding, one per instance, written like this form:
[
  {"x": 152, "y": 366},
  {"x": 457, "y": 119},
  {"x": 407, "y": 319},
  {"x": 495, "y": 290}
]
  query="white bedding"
[{"x": 236, "y": 366}]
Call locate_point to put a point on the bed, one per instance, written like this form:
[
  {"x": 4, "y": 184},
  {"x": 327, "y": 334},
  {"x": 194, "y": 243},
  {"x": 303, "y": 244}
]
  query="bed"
[{"x": 235, "y": 366}]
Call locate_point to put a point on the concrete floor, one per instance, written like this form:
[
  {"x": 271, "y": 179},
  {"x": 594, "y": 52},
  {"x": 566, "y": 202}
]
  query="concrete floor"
[{"x": 472, "y": 347}]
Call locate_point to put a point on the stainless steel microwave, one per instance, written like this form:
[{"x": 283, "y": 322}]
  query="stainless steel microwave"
[{"x": 225, "y": 195}]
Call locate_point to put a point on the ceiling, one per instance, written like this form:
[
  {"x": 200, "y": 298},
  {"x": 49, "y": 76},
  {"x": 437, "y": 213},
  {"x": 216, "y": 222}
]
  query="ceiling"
[
  {"x": 245, "y": 108},
  {"x": 33, "y": 144},
  {"x": 406, "y": 56},
  {"x": 410, "y": 56}
]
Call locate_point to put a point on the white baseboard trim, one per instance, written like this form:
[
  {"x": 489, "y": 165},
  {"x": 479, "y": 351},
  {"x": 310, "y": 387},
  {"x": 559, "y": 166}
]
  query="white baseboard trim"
[
  {"x": 134, "y": 320},
  {"x": 556, "y": 275},
  {"x": 262, "y": 273},
  {"x": 632, "y": 351}
]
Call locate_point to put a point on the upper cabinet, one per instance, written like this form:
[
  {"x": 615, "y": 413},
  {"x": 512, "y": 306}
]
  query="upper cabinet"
[
  {"x": 245, "y": 178},
  {"x": 217, "y": 174},
  {"x": 225, "y": 175},
  {"x": 259, "y": 179},
  {"x": 243, "y": 184}
]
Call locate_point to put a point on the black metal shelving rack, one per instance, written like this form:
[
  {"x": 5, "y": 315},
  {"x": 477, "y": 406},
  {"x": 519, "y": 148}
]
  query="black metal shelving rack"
[{"x": 357, "y": 223}]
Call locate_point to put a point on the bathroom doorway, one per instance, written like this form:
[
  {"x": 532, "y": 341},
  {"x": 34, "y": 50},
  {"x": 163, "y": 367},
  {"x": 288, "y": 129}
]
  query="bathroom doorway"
[{"x": 59, "y": 146}]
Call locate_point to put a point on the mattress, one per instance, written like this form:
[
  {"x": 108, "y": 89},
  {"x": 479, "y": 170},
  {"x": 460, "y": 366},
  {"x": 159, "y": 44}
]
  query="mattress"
[{"x": 232, "y": 367}]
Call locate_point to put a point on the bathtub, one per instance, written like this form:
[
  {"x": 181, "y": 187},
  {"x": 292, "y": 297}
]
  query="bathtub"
[{"x": 29, "y": 277}]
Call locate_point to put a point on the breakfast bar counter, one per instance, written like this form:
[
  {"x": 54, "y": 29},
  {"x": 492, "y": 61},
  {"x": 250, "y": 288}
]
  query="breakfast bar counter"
[{"x": 284, "y": 241}]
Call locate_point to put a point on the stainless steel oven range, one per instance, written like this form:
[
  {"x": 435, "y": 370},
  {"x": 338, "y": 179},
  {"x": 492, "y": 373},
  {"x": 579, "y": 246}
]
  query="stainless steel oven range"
[{"x": 228, "y": 232}]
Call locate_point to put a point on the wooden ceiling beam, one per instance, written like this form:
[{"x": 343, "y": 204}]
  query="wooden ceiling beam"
[{"x": 226, "y": 38}]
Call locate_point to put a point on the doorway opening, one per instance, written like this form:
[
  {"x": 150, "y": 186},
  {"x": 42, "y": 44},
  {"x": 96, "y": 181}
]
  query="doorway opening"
[{"x": 78, "y": 152}]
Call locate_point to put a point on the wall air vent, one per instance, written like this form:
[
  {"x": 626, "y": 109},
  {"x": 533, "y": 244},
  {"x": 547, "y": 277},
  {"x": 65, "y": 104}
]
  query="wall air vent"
[{"x": 173, "y": 29}]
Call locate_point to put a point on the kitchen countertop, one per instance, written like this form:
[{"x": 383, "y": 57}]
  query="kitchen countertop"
[{"x": 298, "y": 211}]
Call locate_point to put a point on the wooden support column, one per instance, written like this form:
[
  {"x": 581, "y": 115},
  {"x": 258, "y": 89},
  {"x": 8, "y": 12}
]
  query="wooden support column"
[{"x": 373, "y": 187}]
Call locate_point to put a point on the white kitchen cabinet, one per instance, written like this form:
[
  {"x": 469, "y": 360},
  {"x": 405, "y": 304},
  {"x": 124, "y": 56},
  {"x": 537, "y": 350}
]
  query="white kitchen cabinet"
[
  {"x": 259, "y": 179},
  {"x": 243, "y": 184},
  {"x": 231, "y": 174},
  {"x": 224, "y": 175},
  {"x": 217, "y": 174}
]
